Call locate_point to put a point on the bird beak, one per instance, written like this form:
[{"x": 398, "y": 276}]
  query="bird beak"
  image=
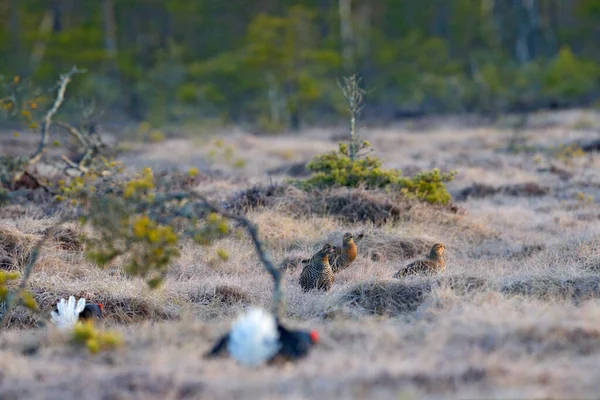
[{"x": 101, "y": 307}]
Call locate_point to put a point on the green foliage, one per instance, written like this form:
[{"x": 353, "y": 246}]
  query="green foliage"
[
  {"x": 9, "y": 291},
  {"x": 21, "y": 101},
  {"x": 226, "y": 154},
  {"x": 336, "y": 169},
  {"x": 569, "y": 77},
  {"x": 86, "y": 334},
  {"x": 142, "y": 219},
  {"x": 567, "y": 154},
  {"x": 6, "y": 278},
  {"x": 280, "y": 62},
  {"x": 275, "y": 66}
]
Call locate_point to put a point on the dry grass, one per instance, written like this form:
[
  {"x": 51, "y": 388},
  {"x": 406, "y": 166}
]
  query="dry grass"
[{"x": 516, "y": 314}]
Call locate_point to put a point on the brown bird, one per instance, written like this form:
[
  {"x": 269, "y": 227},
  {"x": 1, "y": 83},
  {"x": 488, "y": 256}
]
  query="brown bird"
[
  {"x": 317, "y": 274},
  {"x": 434, "y": 263},
  {"x": 343, "y": 256}
]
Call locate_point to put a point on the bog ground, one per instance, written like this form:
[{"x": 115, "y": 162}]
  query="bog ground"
[{"x": 515, "y": 315}]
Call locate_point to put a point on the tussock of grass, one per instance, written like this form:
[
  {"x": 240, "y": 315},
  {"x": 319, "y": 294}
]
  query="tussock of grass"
[
  {"x": 221, "y": 295},
  {"x": 67, "y": 237},
  {"x": 479, "y": 190},
  {"x": 294, "y": 170},
  {"x": 388, "y": 247},
  {"x": 405, "y": 296},
  {"x": 352, "y": 205},
  {"x": 554, "y": 288},
  {"x": 15, "y": 246},
  {"x": 387, "y": 298}
]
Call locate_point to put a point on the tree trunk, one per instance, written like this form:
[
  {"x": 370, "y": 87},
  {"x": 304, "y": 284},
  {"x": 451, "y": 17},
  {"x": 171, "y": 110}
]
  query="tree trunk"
[
  {"x": 363, "y": 43},
  {"x": 15, "y": 32},
  {"x": 110, "y": 29},
  {"x": 37, "y": 55},
  {"x": 346, "y": 35},
  {"x": 57, "y": 23}
]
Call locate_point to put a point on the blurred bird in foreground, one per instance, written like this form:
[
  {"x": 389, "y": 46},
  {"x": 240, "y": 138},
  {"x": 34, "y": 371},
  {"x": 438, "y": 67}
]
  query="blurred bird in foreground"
[
  {"x": 258, "y": 337},
  {"x": 68, "y": 313}
]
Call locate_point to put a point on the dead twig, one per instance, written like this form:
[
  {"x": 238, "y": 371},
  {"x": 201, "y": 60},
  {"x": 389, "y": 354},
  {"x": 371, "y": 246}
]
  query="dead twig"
[
  {"x": 75, "y": 133},
  {"x": 60, "y": 97},
  {"x": 72, "y": 164}
]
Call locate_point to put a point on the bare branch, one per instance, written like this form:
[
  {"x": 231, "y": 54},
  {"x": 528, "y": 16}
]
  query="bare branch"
[
  {"x": 60, "y": 97},
  {"x": 72, "y": 164},
  {"x": 75, "y": 133},
  {"x": 91, "y": 146}
]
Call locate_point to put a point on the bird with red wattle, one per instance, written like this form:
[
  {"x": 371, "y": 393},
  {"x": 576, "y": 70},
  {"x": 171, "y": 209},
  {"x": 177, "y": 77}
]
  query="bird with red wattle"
[{"x": 258, "y": 337}]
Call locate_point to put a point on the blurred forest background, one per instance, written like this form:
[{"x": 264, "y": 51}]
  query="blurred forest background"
[{"x": 274, "y": 64}]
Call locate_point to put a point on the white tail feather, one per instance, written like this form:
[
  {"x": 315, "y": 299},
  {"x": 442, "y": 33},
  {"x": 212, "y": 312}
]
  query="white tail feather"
[
  {"x": 254, "y": 338},
  {"x": 68, "y": 313}
]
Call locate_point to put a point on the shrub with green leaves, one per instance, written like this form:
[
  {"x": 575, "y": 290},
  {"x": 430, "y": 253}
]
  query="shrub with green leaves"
[
  {"x": 337, "y": 169},
  {"x": 10, "y": 292},
  {"x": 569, "y": 77},
  {"x": 86, "y": 334},
  {"x": 142, "y": 219}
]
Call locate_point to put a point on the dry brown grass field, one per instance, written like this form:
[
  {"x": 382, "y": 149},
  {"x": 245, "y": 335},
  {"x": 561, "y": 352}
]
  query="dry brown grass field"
[{"x": 516, "y": 314}]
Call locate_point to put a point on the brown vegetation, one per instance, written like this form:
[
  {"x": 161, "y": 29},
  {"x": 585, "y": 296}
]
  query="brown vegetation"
[{"x": 520, "y": 290}]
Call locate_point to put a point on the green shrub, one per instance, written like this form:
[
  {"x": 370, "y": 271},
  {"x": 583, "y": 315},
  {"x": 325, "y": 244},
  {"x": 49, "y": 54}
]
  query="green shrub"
[
  {"x": 569, "y": 77},
  {"x": 337, "y": 169}
]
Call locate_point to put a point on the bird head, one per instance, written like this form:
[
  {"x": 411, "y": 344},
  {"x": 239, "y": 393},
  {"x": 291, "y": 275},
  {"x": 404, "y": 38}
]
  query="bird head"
[
  {"x": 348, "y": 238},
  {"x": 437, "y": 250},
  {"x": 327, "y": 249}
]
